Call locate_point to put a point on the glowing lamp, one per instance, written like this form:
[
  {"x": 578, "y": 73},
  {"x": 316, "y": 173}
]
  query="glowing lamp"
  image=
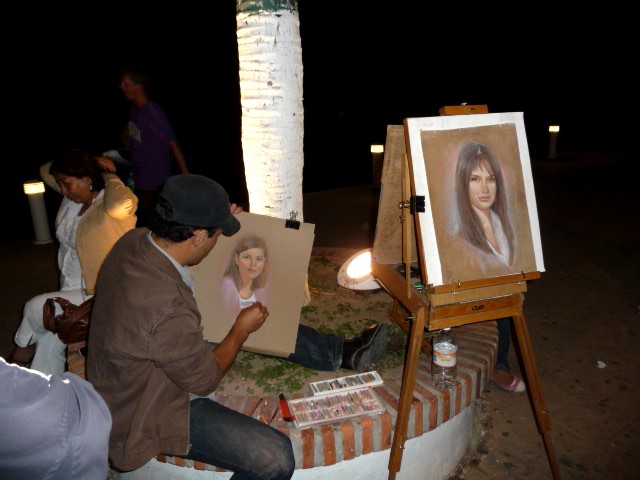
[
  {"x": 33, "y": 187},
  {"x": 355, "y": 273},
  {"x": 35, "y": 193},
  {"x": 553, "y": 139},
  {"x": 377, "y": 156}
]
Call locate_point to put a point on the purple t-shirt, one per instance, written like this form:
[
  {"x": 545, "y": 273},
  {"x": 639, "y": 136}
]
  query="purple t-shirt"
[{"x": 150, "y": 133}]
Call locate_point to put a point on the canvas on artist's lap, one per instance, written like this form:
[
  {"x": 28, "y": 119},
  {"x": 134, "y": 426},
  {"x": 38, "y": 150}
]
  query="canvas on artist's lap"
[{"x": 265, "y": 261}]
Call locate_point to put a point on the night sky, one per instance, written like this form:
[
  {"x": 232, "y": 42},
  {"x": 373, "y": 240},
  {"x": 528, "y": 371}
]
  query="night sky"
[{"x": 364, "y": 69}]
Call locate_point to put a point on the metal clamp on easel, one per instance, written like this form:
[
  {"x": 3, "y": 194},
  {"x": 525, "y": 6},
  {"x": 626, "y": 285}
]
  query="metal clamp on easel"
[
  {"x": 292, "y": 222},
  {"x": 415, "y": 204}
]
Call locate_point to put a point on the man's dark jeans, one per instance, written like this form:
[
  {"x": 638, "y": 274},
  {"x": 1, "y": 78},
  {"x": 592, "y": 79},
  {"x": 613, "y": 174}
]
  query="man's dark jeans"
[{"x": 231, "y": 440}]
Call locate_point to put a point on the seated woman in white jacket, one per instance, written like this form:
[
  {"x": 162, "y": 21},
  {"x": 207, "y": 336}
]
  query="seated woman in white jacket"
[{"x": 97, "y": 209}]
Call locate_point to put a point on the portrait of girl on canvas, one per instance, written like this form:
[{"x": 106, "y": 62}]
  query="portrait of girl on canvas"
[{"x": 246, "y": 276}]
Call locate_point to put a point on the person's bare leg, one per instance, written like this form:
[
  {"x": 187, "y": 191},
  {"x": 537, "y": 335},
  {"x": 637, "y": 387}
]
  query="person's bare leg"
[{"x": 22, "y": 355}]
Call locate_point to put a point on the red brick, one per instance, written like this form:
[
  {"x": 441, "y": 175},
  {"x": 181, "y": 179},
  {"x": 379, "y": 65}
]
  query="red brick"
[
  {"x": 329, "y": 443},
  {"x": 348, "y": 440},
  {"x": 307, "y": 438},
  {"x": 385, "y": 426},
  {"x": 367, "y": 434}
]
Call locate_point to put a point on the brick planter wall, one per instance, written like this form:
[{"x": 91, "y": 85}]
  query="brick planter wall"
[{"x": 328, "y": 444}]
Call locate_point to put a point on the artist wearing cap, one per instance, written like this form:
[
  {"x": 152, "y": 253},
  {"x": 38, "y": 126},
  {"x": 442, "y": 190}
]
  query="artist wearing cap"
[{"x": 146, "y": 353}]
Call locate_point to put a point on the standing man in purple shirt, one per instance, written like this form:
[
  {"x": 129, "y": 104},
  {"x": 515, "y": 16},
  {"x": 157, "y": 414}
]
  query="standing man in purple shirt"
[{"x": 152, "y": 142}]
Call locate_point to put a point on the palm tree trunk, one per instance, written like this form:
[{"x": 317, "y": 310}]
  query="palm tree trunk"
[{"x": 270, "y": 58}]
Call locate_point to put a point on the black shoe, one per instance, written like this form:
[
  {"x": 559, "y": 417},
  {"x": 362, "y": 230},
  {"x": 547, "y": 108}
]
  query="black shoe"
[{"x": 362, "y": 352}]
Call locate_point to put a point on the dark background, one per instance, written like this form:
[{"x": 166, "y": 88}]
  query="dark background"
[{"x": 364, "y": 68}]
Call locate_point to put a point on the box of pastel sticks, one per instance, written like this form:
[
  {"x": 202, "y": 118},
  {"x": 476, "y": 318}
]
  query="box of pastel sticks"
[
  {"x": 344, "y": 384},
  {"x": 335, "y": 407}
]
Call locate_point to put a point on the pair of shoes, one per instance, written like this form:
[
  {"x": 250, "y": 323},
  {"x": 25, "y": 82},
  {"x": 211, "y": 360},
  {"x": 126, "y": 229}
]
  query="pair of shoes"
[
  {"x": 362, "y": 352},
  {"x": 516, "y": 385}
]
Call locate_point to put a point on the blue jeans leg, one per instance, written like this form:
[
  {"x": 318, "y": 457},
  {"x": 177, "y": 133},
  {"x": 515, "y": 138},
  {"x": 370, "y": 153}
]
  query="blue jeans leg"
[
  {"x": 319, "y": 351},
  {"x": 228, "y": 439},
  {"x": 504, "y": 339}
]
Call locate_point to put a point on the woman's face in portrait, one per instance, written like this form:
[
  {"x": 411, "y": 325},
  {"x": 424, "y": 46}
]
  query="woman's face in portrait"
[
  {"x": 482, "y": 187},
  {"x": 250, "y": 263}
]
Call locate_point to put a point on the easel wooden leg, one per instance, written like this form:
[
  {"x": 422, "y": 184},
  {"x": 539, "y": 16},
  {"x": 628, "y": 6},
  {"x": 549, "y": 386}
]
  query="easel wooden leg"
[
  {"x": 399, "y": 315},
  {"x": 535, "y": 390},
  {"x": 406, "y": 392}
]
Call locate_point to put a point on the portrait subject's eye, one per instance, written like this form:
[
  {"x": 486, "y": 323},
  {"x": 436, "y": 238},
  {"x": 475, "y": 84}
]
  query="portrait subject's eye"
[{"x": 249, "y": 258}]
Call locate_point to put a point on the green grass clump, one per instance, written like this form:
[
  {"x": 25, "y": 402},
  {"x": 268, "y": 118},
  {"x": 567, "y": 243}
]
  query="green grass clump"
[{"x": 272, "y": 375}]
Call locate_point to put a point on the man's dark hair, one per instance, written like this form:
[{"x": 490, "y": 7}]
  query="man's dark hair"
[
  {"x": 138, "y": 74},
  {"x": 168, "y": 229}
]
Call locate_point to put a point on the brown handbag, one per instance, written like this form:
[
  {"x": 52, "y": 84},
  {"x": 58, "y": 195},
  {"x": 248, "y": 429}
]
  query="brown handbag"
[{"x": 72, "y": 324}]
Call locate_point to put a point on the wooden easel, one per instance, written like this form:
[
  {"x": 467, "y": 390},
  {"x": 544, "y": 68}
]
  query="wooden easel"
[{"x": 450, "y": 306}]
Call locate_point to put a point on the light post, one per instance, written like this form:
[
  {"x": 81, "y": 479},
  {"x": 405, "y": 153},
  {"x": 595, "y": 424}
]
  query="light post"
[
  {"x": 553, "y": 139},
  {"x": 35, "y": 193},
  {"x": 377, "y": 155}
]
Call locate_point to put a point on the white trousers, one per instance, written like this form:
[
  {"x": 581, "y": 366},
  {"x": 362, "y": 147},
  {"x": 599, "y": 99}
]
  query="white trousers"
[{"x": 50, "y": 357}]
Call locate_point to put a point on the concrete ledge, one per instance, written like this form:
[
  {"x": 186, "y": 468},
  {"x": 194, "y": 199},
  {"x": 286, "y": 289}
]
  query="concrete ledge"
[
  {"x": 368, "y": 437},
  {"x": 431, "y": 456}
]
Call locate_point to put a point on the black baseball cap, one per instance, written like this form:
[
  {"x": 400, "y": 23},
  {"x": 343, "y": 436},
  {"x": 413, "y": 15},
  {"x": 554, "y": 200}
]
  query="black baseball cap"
[{"x": 197, "y": 201}]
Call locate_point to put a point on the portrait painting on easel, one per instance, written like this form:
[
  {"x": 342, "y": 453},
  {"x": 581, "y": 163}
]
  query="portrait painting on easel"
[{"x": 480, "y": 219}]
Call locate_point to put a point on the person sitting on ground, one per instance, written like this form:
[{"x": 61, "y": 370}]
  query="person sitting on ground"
[
  {"x": 52, "y": 426},
  {"x": 245, "y": 282},
  {"x": 96, "y": 210}
]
